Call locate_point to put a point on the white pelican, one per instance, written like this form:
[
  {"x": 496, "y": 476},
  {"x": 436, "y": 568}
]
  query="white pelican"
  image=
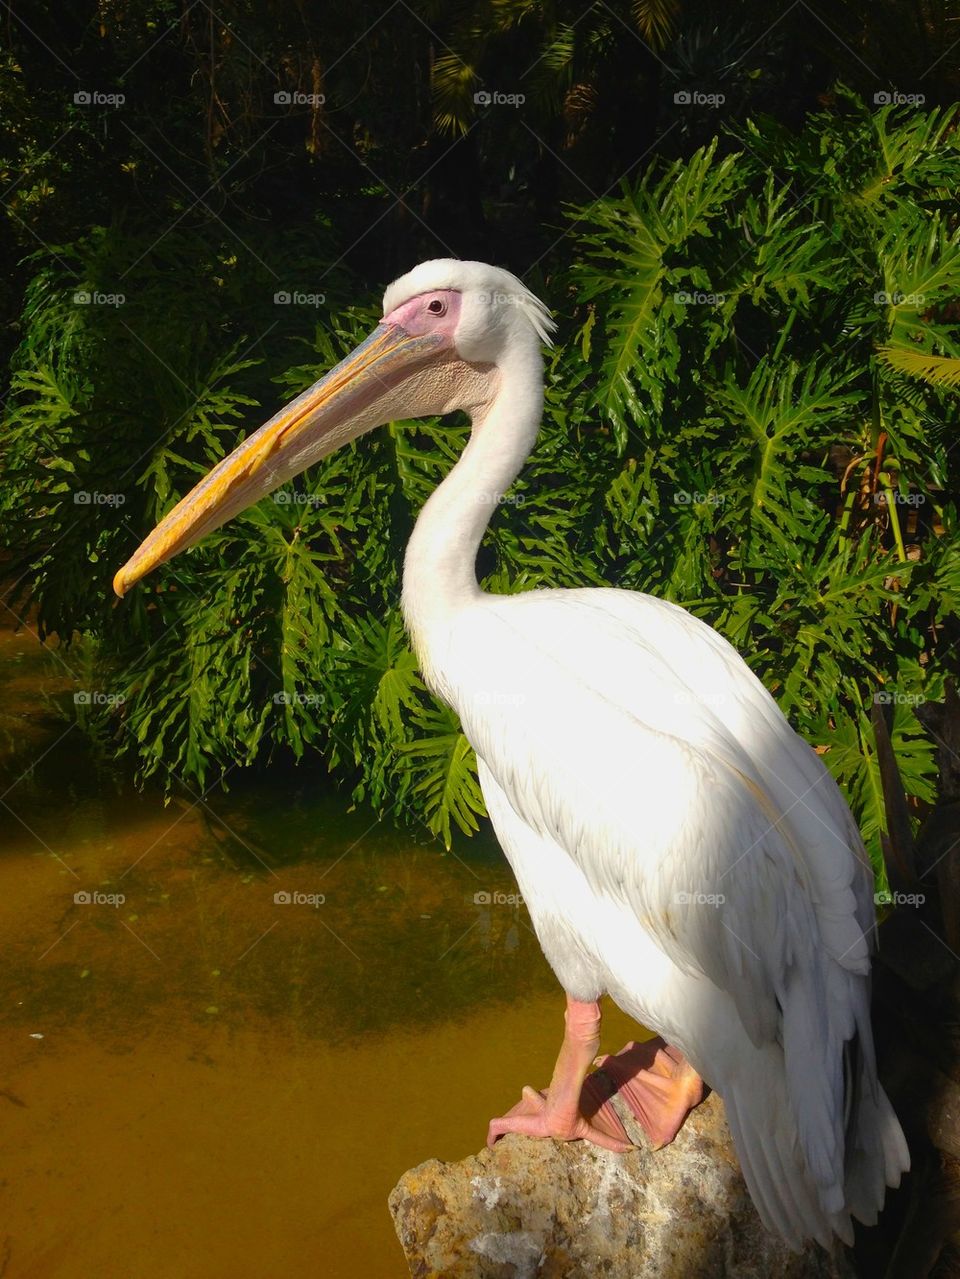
[{"x": 677, "y": 845}]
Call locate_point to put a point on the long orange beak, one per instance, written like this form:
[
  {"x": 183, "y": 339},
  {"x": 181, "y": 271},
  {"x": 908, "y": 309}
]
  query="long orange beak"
[{"x": 349, "y": 400}]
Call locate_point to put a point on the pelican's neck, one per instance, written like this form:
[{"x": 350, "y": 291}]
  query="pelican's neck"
[{"x": 439, "y": 573}]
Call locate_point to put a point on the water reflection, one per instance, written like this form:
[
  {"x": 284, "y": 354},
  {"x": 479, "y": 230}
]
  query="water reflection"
[{"x": 289, "y": 911}]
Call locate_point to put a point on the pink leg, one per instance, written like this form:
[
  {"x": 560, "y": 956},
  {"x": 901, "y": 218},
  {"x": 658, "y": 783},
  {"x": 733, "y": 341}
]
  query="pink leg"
[
  {"x": 657, "y": 1083},
  {"x": 560, "y": 1112}
]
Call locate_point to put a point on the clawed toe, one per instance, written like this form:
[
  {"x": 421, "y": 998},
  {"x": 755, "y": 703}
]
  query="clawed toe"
[{"x": 533, "y": 1116}]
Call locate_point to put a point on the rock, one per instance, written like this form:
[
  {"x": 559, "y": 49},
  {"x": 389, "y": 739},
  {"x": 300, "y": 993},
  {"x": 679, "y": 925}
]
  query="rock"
[{"x": 555, "y": 1210}]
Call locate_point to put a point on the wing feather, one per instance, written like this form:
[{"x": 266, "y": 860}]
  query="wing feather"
[{"x": 638, "y": 740}]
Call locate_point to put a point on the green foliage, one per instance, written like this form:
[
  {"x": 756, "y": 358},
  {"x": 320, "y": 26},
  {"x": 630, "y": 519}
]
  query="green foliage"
[
  {"x": 751, "y": 413},
  {"x": 750, "y": 349}
]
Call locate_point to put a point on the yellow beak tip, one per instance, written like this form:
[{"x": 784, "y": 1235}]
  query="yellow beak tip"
[{"x": 120, "y": 583}]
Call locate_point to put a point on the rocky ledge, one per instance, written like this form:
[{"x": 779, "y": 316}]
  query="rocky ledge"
[{"x": 545, "y": 1210}]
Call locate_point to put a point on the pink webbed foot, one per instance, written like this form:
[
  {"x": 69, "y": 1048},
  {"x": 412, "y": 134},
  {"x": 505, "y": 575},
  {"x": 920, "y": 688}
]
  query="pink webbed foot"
[
  {"x": 596, "y": 1120},
  {"x": 657, "y": 1083},
  {"x": 573, "y": 1107}
]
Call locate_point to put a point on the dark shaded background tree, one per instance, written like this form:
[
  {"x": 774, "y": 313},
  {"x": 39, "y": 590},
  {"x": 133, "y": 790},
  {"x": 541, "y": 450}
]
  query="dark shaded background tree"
[
  {"x": 392, "y": 147},
  {"x": 269, "y": 152}
]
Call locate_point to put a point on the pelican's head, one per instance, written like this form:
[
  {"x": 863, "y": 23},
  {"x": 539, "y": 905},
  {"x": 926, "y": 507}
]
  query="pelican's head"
[{"x": 448, "y": 328}]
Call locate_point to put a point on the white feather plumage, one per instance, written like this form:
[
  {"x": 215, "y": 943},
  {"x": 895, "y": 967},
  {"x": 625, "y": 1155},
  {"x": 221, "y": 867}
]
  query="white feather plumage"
[{"x": 677, "y": 845}]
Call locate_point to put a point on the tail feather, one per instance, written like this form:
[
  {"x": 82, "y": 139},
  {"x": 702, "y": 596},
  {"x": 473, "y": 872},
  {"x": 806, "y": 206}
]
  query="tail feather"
[
  {"x": 877, "y": 1156},
  {"x": 789, "y": 1199},
  {"x": 784, "y": 1202}
]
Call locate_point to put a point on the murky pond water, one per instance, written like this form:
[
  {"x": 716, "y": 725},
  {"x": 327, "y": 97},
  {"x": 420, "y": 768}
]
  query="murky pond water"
[{"x": 226, "y": 1028}]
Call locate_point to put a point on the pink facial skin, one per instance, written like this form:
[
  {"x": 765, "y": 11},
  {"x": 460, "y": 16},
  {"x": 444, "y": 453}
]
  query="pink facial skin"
[{"x": 436, "y": 312}]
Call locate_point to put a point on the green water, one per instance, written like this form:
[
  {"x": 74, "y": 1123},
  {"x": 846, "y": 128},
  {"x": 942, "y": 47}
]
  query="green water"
[{"x": 265, "y": 1012}]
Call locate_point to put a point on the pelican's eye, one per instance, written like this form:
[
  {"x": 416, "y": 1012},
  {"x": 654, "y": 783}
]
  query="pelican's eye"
[{"x": 437, "y": 306}]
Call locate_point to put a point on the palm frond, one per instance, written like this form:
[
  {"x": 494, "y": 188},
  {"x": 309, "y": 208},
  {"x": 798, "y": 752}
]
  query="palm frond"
[
  {"x": 655, "y": 20},
  {"x": 936, "y": 370}
]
